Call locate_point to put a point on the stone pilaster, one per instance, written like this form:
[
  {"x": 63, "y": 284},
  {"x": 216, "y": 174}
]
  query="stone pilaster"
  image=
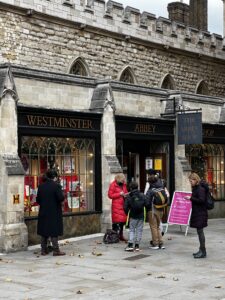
[
  {"x": 102, "y": 100},
  {"x": 13, "y": 231}
]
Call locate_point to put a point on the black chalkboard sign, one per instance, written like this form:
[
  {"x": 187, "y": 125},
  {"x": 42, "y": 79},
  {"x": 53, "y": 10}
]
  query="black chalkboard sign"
[{"x": 189, "y": 126}]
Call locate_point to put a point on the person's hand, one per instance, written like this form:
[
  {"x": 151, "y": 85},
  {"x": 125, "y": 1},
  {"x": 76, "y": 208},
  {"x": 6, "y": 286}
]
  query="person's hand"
[{"x": 122, "y": 194}]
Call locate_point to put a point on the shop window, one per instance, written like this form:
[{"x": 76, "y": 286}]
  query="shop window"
[
  {"x": 73, "y": 159},
  {"x": 168, "y": 83},
  {"x": 79, "y": 67},
  {"x": 208, "y": 161},
  {"x": 127, "y": 76}
]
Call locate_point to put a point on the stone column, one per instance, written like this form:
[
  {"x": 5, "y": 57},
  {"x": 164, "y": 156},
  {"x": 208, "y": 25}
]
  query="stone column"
[
  {"x": 102, "y": 100},
  {"x": 13, "y": 231}
]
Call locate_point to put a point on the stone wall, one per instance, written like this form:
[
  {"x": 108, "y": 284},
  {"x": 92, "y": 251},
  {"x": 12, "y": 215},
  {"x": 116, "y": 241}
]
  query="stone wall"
[{"x": 53, "y": 44}]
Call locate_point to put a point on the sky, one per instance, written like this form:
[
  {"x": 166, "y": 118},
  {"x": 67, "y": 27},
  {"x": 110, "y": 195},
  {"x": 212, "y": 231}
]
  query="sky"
[{"x": 159, "y": 8}]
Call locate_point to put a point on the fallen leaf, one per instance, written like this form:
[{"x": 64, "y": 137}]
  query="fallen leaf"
[
  {"x": 102, "y": 277},
  {"x": 80, "y": 256},
  {"x": 8, "y": 280},
  {"x": 79, "y": 292},
  {"x": 175, "y": 279},
  {"x": 30, "y": 270},
  {"x": 161, "y": 276},
  {"x": 96, "y": 253},
  {"x": 218, "y": 287},
  {"x": 58, "y": 263},
  {"x": 149, "y": 274}
]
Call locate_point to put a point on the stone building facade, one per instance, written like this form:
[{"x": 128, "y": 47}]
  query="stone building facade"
[{"x": 96, "y": 75}]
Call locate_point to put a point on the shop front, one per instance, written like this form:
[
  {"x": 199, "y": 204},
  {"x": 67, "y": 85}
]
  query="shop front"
[
  {"x": 208, "y": 160},
  {"x": 143, "y": 144},
  {"x": 70, "y": 143}
]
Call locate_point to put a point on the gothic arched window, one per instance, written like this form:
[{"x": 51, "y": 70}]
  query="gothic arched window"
[
  {"x": 79, "y": 67},
  {"x": 127, "y": 76},
  {"x": 202, "y": 88},
  {"x": 168, "y": 83}
]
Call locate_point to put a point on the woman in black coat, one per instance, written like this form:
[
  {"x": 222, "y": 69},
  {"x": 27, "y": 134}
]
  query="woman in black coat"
[
  {"x": 50, "y": 219},
  {"x": 199, "y": 215}
]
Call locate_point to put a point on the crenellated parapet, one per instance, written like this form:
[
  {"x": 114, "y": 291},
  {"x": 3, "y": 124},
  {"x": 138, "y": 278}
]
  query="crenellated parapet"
[{"x": 129, "y": 22}]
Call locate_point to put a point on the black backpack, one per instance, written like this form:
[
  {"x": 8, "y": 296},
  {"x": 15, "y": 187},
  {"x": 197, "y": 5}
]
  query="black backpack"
[
  {"x": 137, "y": 203},
  {"x": 209, "y": 197},
  {"x": 111, "y": 237},
  {"x": 160, "y": 199}
]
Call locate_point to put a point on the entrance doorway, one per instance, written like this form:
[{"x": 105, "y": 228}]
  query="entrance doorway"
[{"x": 136, "y": 157}]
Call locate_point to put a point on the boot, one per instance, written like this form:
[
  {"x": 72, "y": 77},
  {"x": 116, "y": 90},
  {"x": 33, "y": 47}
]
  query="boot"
[
  {"x": 201, "y": 253},
  {"x": 58, "y": 253},
  {"x": 197, "y": 253}
]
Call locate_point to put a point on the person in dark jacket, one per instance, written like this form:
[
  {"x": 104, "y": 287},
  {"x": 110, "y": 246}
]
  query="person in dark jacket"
[
  {"x": 199, "y": 215},
  {"x": 50, "y": 220},
  {"x": 135, "y": 206},
  {"x": 117, "y": 191},
  {"x": 154, "y": 214}
]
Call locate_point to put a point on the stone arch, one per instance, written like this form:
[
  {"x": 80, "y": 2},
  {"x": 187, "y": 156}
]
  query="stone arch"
[
  {"x": 127, "y": 75},
  {"x": 202, "y": 88},
  {"x": 79, "y": 67},
  {"x": 168, "y": 82}
]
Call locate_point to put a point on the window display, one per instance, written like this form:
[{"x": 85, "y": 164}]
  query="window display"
[
  {"x": 73, "y": 159},
  {"x": 208, "y": 161}
]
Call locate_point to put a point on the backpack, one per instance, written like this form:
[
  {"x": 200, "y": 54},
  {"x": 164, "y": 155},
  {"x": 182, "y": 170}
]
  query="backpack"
[
  {"x": 111, "y": 237},
  {"x": 160, "y": 199},
  {"x": 137, "y": 204},
  {"x": 209, "y": 201},
  {"x": 209, "y": 197}
]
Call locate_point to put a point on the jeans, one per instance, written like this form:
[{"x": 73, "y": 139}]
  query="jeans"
[
  {"x": 136, "y": 229},
  {"x": 155, "y": 218}
]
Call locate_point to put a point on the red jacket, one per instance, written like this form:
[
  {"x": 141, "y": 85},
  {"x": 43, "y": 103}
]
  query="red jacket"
[{"x": 118, "y": 214}]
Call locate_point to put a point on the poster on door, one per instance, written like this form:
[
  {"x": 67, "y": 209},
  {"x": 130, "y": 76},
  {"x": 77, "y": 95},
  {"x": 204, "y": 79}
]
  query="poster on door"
[{"x": 180, "y": 209}]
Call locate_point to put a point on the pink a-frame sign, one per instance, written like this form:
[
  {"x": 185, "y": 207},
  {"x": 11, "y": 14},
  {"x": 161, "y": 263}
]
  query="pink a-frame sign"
[{"x": 180, "y": 209}]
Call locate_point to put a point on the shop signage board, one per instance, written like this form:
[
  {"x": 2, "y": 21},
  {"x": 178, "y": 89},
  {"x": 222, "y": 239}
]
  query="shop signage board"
[
  {"x": 189, "y": 126},
  {"x": 180, "y": 210}
]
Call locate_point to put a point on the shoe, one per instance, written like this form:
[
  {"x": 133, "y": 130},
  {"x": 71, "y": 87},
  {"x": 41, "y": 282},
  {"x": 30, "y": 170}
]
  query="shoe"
[
  {"x": 200, "y": 254},
  {"x": 196, "y": 253},
  {"x": 162, "y": 233},
  {"x": 154, "y": 247},
  {"x": 58, "y": 253},
  {"x": 151, "y": 243},
  {"x": 44, "y": 253},
  {"x": 136, "y": 247},
  {"x": 162, "y": 247},
  {"x": 129, "y": 247}
]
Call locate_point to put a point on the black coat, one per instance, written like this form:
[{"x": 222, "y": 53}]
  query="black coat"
[
  {"x": 199, "y": 215},
  {"x": 135, "y": 202},
  {"x": 50, "y": 220}
]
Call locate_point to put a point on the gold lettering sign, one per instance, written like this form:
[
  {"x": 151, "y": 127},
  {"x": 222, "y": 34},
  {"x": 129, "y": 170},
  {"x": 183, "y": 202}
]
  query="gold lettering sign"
[
  {"x": 16, "y": 199},
  {"x": 144, "y": 128},
  {"x": 59, "y": 122}
]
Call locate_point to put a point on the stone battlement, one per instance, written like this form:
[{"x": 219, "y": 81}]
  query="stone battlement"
[{"x": 130, "y": 22}]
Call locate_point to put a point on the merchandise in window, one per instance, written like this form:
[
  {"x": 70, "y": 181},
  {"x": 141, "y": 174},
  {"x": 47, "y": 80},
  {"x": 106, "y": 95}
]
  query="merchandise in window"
[{"x": 73, "y": 159}]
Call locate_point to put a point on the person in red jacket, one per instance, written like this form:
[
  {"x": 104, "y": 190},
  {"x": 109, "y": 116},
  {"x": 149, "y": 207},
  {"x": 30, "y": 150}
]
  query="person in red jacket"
[{"x": 117, "y": 192}]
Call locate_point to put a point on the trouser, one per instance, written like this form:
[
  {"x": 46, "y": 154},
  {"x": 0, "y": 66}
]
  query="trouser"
[
  {"x": 118, "y": 227},
  {"x": 155, "y": 218},
  {"x": 44, "y": 243},
  {"x": 136, "y": 229},
  {"x": 201, "y": 237}
]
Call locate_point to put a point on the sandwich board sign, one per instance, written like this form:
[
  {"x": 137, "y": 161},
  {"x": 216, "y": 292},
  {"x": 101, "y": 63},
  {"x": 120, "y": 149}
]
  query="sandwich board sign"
[{"x": 180, "y": 210}]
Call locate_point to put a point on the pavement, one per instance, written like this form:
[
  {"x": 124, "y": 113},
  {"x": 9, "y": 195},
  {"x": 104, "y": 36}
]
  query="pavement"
[{"x": 93, "y": 270}]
